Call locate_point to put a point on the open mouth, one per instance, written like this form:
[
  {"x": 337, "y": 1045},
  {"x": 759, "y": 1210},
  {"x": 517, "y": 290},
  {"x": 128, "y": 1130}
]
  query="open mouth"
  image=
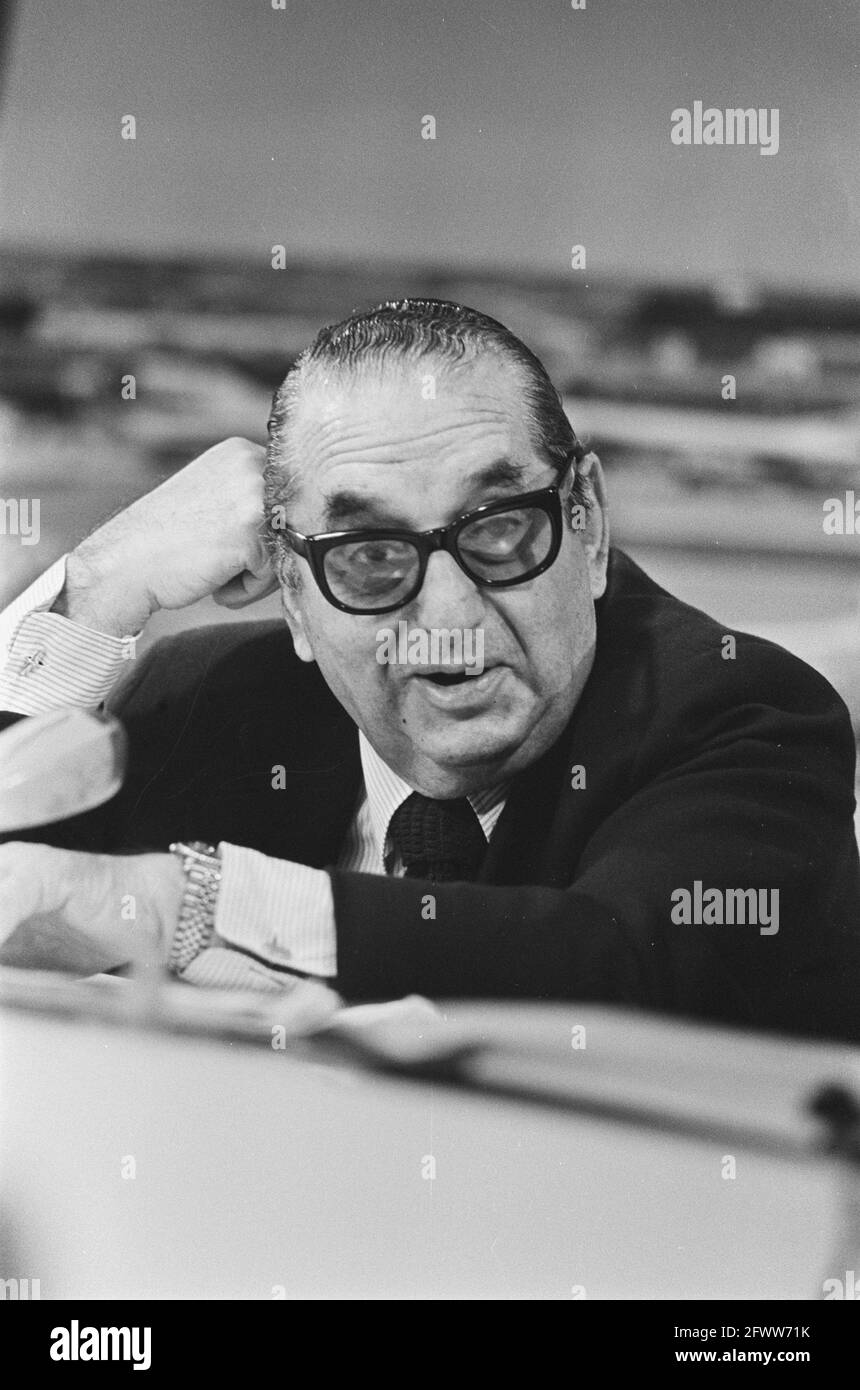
[
  {"x": 449, "y": 677},
  {"x": 472, "y": 678},
  {"x": 461, "y": 692}
]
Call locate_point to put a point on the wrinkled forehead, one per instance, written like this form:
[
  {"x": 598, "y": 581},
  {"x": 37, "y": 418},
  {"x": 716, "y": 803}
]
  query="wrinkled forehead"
[{"x": 422, "y": 421}]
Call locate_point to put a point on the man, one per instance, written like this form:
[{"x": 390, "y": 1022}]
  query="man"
[{"x": 619, "y": 802}]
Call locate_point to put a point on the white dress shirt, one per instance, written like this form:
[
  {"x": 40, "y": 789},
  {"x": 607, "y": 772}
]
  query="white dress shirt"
[{"x": 273, "y": 916}]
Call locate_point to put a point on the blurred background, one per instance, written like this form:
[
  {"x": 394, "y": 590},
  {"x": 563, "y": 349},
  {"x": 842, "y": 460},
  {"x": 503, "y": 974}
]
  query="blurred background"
[{"x": 258, "y": 126}]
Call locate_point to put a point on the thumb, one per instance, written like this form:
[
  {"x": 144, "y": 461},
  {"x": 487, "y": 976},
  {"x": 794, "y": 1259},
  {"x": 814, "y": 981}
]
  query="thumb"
[
  {"x": 245, "y": 588},
  {"x": 257, "y": 580}
]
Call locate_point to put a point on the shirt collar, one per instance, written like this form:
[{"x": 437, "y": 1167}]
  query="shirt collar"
[{"x": 386, "y": 791}]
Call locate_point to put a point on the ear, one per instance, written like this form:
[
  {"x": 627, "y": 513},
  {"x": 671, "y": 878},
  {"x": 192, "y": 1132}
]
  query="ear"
[
  {"x": 595, "y": 536},
  {"x": 291, "y": 595}
]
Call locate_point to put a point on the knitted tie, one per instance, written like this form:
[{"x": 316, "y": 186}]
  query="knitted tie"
[{"x": 439, "y": 840}]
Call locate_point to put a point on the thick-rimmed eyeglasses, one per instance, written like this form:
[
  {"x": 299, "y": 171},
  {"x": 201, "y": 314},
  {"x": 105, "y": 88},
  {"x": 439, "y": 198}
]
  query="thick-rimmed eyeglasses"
[{"x": 498, "y": 545}]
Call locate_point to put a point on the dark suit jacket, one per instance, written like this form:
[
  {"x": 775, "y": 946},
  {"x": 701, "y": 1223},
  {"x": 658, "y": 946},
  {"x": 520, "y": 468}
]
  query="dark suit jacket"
[{"x": 737, "y": 773}]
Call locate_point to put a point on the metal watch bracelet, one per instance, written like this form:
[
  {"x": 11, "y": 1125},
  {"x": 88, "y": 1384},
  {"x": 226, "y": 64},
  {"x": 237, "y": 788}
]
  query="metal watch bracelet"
[{"x": 196, "y": 926}]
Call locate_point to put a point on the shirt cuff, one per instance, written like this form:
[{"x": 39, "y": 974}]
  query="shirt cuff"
[
  {"x": 279, "y": 911},
  {"x": 47, "y": 661},
  {"x": 222, "y": 967}
]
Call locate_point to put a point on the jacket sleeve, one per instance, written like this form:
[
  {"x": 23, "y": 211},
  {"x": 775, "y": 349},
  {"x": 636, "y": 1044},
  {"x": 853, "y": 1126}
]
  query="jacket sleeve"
[{"x": 97, "y": 831}]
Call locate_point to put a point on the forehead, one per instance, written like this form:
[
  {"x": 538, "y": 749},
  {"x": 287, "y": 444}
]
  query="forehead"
[{"x": 415, "y": 432}]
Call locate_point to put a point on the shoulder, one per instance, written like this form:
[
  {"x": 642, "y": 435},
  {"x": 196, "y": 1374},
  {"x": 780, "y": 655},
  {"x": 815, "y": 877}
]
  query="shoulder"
[{"x": 685, "y": 668}]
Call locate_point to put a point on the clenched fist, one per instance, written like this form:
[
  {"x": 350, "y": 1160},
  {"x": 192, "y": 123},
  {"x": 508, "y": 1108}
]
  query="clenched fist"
[{"x": 199, "y": 533}]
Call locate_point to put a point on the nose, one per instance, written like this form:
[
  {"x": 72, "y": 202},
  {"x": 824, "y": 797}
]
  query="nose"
[{"x": 448, "y": 597}]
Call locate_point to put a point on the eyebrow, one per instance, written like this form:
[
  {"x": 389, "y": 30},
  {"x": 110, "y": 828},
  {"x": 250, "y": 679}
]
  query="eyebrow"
[{"x": 354, "y": 507}]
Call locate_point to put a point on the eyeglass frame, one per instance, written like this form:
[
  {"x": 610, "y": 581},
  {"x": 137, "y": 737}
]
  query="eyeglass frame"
[{"x": 314, "y": 548}]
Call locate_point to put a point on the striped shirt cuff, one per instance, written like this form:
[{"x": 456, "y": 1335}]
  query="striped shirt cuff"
[
  {"x": 47, "y": 661},
  {"x": 278, "y": 911},
  {"x": 220, "y": 967}
]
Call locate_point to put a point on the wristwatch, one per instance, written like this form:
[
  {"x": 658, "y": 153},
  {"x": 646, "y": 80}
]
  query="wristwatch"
[{"x": 196, "y": 925}]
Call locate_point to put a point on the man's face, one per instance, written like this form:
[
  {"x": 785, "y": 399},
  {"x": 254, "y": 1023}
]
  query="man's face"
[{"x": 373, "y": 452}]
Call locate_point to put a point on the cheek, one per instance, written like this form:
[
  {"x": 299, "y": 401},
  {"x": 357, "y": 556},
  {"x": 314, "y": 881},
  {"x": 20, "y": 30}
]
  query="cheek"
[
  {"x": 557, "y": 650},
  {"x": 344, "y": 648},
  {"x": 576, "y": 621},
  {"x": 556, "y": 628}
]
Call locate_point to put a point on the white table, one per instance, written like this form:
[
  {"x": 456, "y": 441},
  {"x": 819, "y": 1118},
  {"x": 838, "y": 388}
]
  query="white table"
[{"x": 260, "y": 1173}]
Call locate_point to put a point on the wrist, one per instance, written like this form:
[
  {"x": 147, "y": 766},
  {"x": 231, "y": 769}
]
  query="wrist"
[
  {"x": 97, "y": 594},
  {"x": 165, "y": 892}
]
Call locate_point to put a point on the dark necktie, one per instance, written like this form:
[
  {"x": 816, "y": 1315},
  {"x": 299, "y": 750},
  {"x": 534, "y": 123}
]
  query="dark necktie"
[{"x": 439, "y": 840}]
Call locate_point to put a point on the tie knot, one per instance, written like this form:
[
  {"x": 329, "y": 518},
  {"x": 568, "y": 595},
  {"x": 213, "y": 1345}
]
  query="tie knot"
[{"x": 439, "y": 840}]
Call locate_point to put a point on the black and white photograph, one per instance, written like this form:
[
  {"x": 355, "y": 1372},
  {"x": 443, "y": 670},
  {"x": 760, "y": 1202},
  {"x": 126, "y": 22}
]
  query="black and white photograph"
[{"x": 430, "y": 666}]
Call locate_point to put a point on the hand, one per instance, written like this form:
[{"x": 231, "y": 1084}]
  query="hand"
[
  {"x": 199, "y": 533},
  {"x": 63, "y": 910}
]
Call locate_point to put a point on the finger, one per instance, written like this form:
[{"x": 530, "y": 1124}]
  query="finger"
[
  {"x": 24, "y": 870},
  {"x": 310, "y": 1005},
  {"x": 245, "y": 588},
  {"x": 250, "y": 448},
  {"x": 255, "y": 582},
  {"x": 46, "y": 941},
  {"x": 258, "y": 584}
]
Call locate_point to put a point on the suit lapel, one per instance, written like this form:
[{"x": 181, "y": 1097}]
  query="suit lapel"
[{"x": 550, "y": 815}]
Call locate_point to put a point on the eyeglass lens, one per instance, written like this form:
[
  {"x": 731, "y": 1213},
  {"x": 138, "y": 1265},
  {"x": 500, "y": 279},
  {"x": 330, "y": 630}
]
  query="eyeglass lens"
[{"x": 503, "y": 546}]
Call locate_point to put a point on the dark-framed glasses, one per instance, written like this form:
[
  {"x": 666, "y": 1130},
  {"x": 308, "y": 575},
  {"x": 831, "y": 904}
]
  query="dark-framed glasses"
[{"x": 498, "y": 545}]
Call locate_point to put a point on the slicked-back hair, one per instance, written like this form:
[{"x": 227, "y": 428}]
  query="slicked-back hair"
[{"x": 409, "y": 330}]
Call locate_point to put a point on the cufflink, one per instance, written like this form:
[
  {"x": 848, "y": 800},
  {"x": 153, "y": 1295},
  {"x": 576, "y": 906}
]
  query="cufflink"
[{"x": 34, "y": 661}]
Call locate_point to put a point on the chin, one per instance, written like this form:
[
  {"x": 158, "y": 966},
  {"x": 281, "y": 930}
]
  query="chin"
[{"x": 470, "y": 746}]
